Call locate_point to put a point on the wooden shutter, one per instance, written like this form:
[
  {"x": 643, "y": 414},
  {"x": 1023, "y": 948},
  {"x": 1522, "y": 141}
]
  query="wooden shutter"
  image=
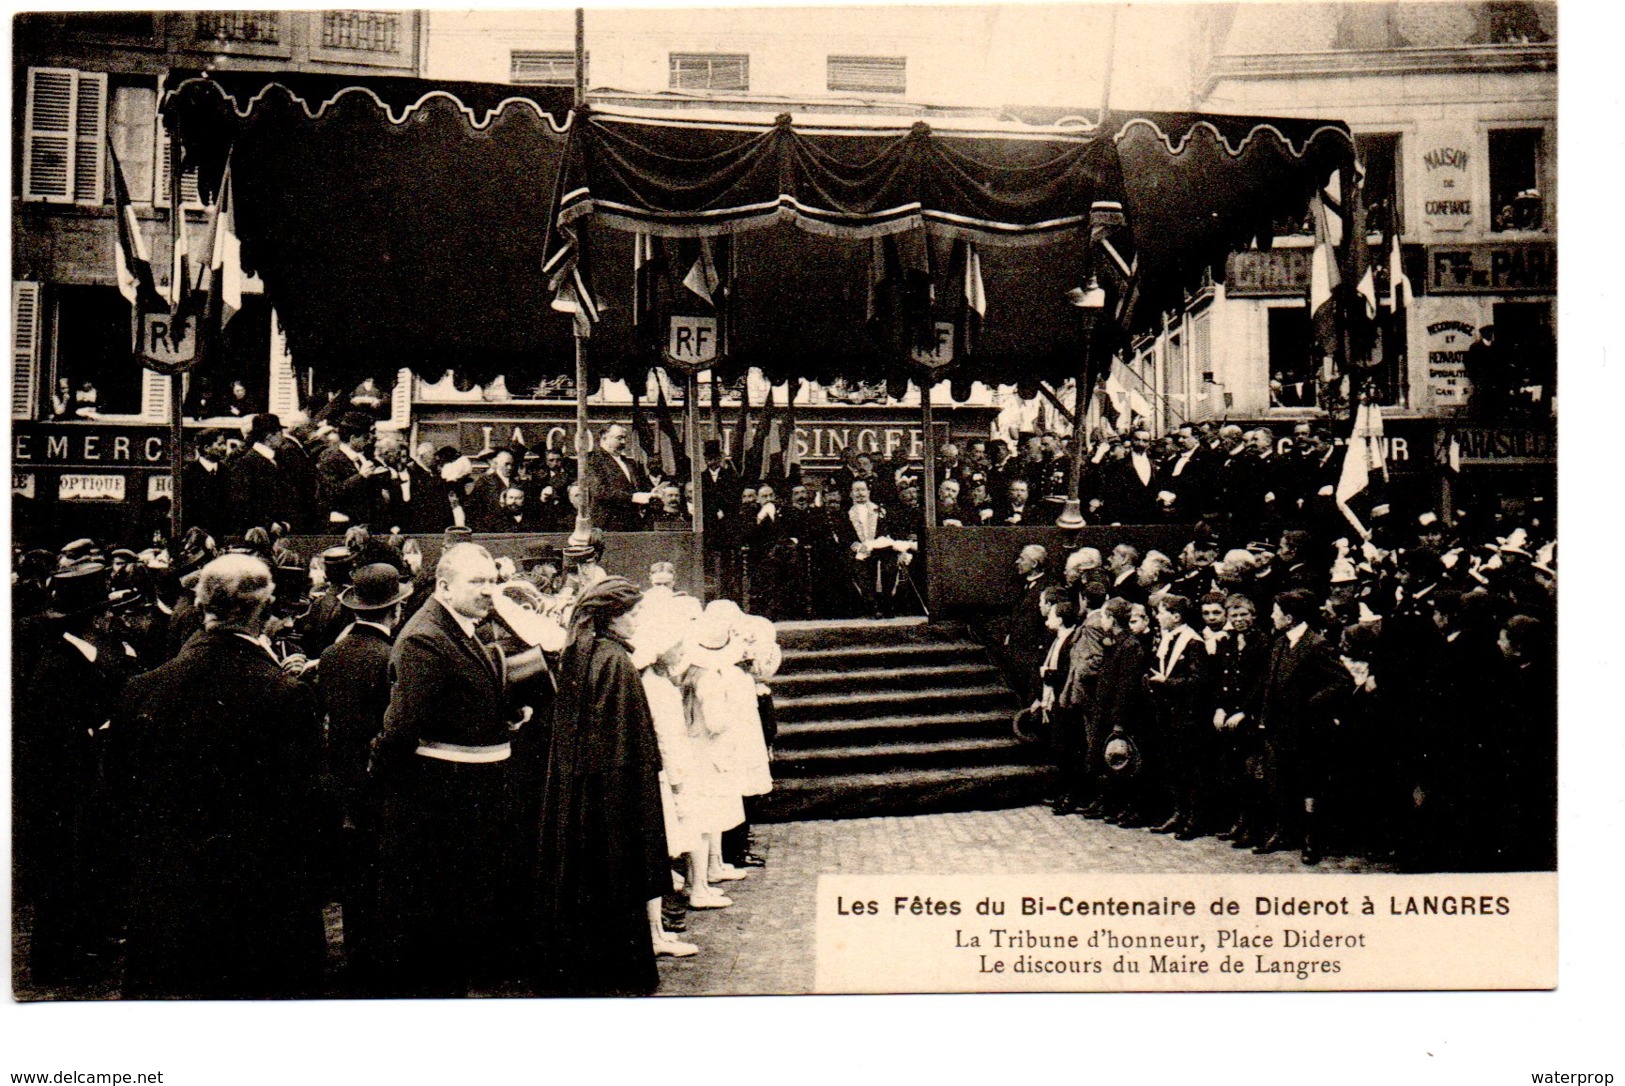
[
  {"x": 154, "y": 396},
  {"x": 90, "y": 138},
  {"x": 400, "y": 401},
  {"x": 164, "y": 158},
  {"x": 283, "y": 400},
  {"x": 25, "y": 337},
  {"x": 48, "y": 135}
]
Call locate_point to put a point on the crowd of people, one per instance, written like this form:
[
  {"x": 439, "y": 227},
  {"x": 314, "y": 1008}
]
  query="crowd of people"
[
  {"x": 1395, "y": 701},
  {"x": 509, "y": 775}
]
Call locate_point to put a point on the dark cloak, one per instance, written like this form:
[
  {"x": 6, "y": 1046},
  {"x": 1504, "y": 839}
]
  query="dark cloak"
[{"x": 603, "y": 847}]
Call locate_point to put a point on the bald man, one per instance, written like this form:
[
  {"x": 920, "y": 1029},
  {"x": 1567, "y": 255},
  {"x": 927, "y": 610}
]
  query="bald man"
[
  {"x": 618, "y": 484},
  {"x": 441, "y": 768}
]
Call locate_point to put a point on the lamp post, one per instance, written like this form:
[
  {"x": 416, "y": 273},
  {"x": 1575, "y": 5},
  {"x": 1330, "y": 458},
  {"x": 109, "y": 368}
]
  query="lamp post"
[{"x": 1091, "y": 303}]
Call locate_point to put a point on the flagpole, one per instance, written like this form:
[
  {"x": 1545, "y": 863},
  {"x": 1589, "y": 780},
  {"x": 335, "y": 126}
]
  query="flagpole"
[
  {"x": 696, "y": 464},
  {"x": 582, "y": 535},
  {"x": 177, "y": 291}
]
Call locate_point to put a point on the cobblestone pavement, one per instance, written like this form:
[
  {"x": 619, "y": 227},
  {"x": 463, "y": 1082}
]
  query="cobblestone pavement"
[{"x": 763, "y": 945}]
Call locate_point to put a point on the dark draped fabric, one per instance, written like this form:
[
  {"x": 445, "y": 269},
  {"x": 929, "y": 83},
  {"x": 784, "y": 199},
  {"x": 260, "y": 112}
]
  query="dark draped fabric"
[
  {"x": 603, "y": 845},
  {"x": 403, "y": 222}
]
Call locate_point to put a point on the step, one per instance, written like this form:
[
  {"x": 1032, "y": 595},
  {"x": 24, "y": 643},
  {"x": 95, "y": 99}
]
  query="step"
[
  {"x": 924, "y": 652},
  {"x": 890, "y": 703},
  {"x": 883, "y": 757},
  {"x": 856, "y": 680},
  {"x": 905, "y": 792},
  {"x": 866, "y": 631},
  {"x": 949, "y": 724}
]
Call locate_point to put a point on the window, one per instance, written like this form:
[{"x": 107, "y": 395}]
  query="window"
[
  {"x": 868, "y": 75},
  {"x": 65, "y": 136},
  {"x": 710, "y": 71},
  {"x": 25, "y": 304},
  {"x": 1516, "y": 186},
  {"x": 362, "y": 31},
  {"x": 1384, "y": 198},
  {"x": 1292, "y": 365},
  {"x": 239, "y": 27},
  {"x": 546, "y": 67},
  {"x": 92, "y": 364}
]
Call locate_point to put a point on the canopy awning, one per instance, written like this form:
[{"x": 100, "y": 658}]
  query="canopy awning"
[{"x": 401, "y": 222}]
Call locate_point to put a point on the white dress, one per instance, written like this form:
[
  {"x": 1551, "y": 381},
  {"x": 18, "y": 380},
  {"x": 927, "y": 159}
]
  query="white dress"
[
  {"x": 715, "y": 803},
  {"x": 748, "y": 758},
  {"x": 676, "y": 761}
]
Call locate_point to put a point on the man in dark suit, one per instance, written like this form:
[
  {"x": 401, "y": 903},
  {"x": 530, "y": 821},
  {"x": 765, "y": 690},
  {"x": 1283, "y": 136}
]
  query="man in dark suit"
[
  {"x": 1182, "y": 754},
  {"x": 1028, "y": 637},
  {"x": 720, "y": 494},
  {"x": 221, "y": 751},
  {"x": 254, "y": 479},
  {"x": 486, "y": 513},
  {"x": 204, "y": 497},
  {"x": 422, "y": 508},
  {"x": 352, "y": 487},
  {"x": 550, "y": 489},
  {"x": 618, "y": 486},
  {"x": 1301, "y": 686},
  {"x": 1185, "y": 482},
  {"x": 441, "y": 766},
  {"x": 354, "y": 682},
  {"x": 1131, "y": 484}
]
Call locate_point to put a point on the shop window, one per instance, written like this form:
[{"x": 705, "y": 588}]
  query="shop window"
[
  {"x": 362, "y": 31},
  {"x": 1292, "y": 365},
  {"x": 93, "y": 371},
  {"x": 1517, "y": 189},
  {"x": 868, "y": 75},
  {"x": 710, "y": 71},
  {"x": 236, "y": 382},
  {"x": 546, "y": 67},
  {"x": 65, "y": 136},
  {"x": 1384, "y": 196},
  {"x": 238, "y": 27}
]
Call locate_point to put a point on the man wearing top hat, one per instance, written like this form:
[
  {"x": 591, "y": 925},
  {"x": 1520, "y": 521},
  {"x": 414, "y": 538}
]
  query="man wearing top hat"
[
  {"x": 353, "y": 677},
  {"x": 254, "y": 484},
  {"x": 221, "y": 755}
]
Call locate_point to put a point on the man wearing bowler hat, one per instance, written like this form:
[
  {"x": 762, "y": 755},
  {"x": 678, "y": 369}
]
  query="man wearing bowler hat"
[{"x": 354, "y": 683}]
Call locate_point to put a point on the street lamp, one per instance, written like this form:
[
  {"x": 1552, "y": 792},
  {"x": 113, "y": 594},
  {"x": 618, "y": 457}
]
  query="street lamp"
[{"x": 1091, "y": 303}]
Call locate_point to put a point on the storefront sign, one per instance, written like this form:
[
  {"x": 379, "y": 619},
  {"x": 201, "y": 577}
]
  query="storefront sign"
[
  {"x": 1272, "y": 274},
  {"x": 90, "y": 488},
  {"x": 160, "y": 486},
  {"x": 22, "y": 484},
  {"x": 1502, "y": 446},
  {"x": 818, "y": 443},
  {"x": 1447, "y": 201},
  {"x": 1448, "y": 341},
  {"x": 1493, "y": 269},
  {"x": 87, "y": 445}
]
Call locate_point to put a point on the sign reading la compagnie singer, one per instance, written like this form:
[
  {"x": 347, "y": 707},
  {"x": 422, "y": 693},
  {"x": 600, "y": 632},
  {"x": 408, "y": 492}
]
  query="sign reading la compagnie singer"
[{"x": 818, "y": 443}]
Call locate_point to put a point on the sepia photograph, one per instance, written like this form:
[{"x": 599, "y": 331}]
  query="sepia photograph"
[{"x": 769, "y": 501}]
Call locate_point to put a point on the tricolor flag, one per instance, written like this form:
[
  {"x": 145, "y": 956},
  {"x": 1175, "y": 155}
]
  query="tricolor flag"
[
  {"x": 702, "y": 277},
  {"x": 571, "y": 285},
  {"x": 225, "y": 275},
  {"x": 1324, "y": 278},
  {"x": 132, "y": 263},
  {"x": 1399, "y": 299},
  {"x": 1363, "y": 465}
]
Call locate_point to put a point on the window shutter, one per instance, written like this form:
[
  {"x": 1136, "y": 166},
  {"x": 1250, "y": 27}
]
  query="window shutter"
[
  {"x": 400, "y": 401},
  {"x": 154, "y": 396},
  {"x": 48, "y": 135},
  {"x": 283, "y": 399},
  {"x": 25, "y": 317},
  {"x": 164, "y": 156},
  {"x": 90, "y": 138}
]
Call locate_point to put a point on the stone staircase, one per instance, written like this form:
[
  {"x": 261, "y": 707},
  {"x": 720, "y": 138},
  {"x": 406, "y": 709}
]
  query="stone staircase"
[{"x": 893, "y": 717}]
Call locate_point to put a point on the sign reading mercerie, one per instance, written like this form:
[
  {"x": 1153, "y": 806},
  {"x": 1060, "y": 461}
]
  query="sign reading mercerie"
[{"x": 85, "y": 445}]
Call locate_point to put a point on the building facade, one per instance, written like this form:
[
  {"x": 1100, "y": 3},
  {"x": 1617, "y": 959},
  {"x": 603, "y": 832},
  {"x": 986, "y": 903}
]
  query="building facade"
[
  {"x": 1454, "y": 111},
  {"x": 90, "y": 425}
]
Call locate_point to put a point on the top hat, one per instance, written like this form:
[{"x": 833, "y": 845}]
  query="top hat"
[
  {"x": 78, "y": 590},
  {"x": 538, "y": 551},
  {"x": 292, "y": 582},
  {"x": 377, "y": 587}
]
